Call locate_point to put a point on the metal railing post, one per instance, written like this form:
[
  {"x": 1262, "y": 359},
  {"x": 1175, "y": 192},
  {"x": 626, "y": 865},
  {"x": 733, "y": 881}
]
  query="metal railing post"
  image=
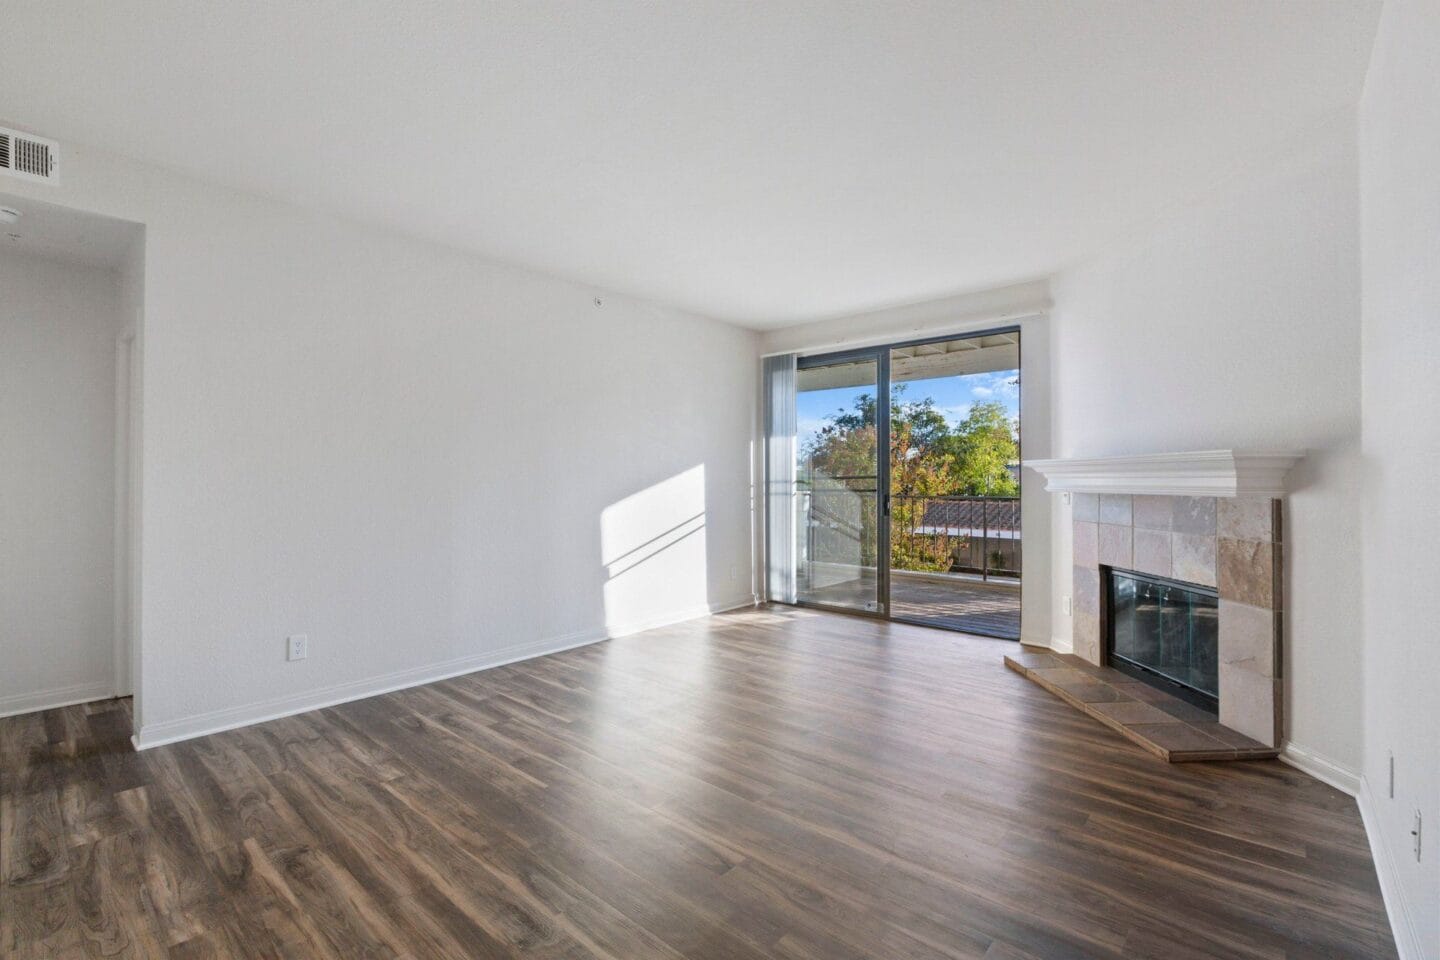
[{"x": 985, "y": 539}]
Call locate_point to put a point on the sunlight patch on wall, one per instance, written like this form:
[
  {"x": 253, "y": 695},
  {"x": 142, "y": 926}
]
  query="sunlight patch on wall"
[{"x": 652, "y": 546}]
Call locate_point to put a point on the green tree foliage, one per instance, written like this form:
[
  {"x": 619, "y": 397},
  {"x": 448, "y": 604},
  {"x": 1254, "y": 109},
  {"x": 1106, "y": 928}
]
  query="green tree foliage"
[
  {"x": 983, "y": 446},
  {"x": 927, "y": 459}
]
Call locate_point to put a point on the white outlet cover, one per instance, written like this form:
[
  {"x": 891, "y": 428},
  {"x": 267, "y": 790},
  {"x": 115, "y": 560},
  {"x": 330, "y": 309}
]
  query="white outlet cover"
[{"x": 297, "y": 647}]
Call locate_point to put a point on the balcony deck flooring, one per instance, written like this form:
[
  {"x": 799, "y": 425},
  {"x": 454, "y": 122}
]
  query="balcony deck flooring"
[{"x": 990, "y": 609}]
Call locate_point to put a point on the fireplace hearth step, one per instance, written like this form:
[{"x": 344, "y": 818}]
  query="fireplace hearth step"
[{"x": 1165, "y": 725}]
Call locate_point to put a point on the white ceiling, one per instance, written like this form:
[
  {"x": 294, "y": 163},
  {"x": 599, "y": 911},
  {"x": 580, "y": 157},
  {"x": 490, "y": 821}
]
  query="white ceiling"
[
  {"x": 766, "y": 163},
  {"x": 60, "y": 233}
]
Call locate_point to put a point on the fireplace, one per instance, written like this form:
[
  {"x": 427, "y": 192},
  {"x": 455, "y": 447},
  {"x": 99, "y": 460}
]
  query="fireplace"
[
  {"x": 1226, "y": 547},
  {"x": 1178, "y": 580},
  {"x": 1165, "y": 633}
]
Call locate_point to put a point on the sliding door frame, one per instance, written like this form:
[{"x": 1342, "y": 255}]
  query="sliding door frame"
[
  {"x": 881, "y": 358},
  {"x": 880, "y": 354}
]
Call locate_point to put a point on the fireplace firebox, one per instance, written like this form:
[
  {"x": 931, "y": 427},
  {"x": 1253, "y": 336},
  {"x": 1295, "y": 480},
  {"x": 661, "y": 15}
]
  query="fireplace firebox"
[{"x": 1165, "y": 633}]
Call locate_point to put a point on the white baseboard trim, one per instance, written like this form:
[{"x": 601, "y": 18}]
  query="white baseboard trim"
[
  {"x": 1407, "y": 938},
  {"x": 1062, "y": 645},
  {"x": 1321, "y": 767},
  {"x": 204, "y": 724},
  {"x": 19, "y": 703}
]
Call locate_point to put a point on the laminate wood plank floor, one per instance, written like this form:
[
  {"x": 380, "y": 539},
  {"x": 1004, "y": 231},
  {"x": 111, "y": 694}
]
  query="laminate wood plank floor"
[{"x": 765, "y": 784}]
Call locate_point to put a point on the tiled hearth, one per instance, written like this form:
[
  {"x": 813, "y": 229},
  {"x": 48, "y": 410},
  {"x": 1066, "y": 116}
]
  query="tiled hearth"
[{"x": 1168, "y": 727}]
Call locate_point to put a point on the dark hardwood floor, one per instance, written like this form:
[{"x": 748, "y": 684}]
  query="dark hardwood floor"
[{"x": 766, "y": 784}]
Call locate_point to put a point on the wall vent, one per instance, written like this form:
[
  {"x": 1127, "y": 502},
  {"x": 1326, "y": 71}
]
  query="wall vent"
[{"x": 27, "y": 157}]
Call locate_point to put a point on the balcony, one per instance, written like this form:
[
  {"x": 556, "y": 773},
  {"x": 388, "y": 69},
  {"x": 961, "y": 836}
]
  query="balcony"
[
  {"x": 954, "y": 559},
  {"x": 955, "y": 562}
]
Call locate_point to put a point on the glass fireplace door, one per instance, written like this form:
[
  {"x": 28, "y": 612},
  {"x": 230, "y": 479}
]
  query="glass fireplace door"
[{"x": 1166, "y": 633}]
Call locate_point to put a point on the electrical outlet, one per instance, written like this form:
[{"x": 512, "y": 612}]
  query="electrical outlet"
[
  {"x": 297, "y": 646},
  {"x": 1067, "y": 606},
  {"x": 1416, "y": 834},
  {"x": 1065, "y": 498}
]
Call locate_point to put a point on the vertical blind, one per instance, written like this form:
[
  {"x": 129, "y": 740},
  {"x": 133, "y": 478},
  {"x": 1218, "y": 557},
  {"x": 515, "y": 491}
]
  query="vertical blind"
[{"x": 779, "y": 375}]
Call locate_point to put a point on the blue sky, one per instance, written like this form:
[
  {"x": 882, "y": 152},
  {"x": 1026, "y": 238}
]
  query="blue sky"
[{"x": 953, "y": 397}]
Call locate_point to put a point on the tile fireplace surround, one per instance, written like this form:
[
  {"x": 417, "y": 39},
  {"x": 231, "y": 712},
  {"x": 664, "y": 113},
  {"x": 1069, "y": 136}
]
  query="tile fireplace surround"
[
  {"x": 1232, "y": 544},
  {"x": 1206, "y": 517}
]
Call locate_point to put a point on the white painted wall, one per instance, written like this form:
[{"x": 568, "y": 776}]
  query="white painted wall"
[
  {"x": 1021, "y": 304},
  {"x": 1400, "y": 299},
  {"x": 405, "y": 452},
  {"x": 58, "y": 327},
  {"x": 1235, "y": 323}
]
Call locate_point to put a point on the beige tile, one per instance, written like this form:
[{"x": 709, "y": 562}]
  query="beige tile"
[
  {"x": 1228, "y": 737},
  {"x": 1132, "y": 711},
  {"x": 1153, "y": 513},
  {"x": 1085, "y": 544},
  {"x": 1115, "y": 546},
  {"x": 1246, "y": 518},
  {"x": 1249, "y": 704},
  {"x": 1179, "y": 737},
  {"x": 1085, "y": 590},
  {"x": 1036, "y": 659},
  {"x": 1085, "y": 637},
  {"x": 1116, "y": 508},
  {"x": 1092, "y": 692},
  {"x": 1192, "y": 559},
  {"x": 1085, "y": 507},
  {"x": 1247, "y": 572},
  {"x": 1108, "y": 674},
  {"x": 1143, "y": 691},
  {"x": 1063, "y": 676},
  {"x": 1183, "y": 710},
  {"x": 1152, "y": 552},
  {"x": 1194, "y": 515},
  {"x": 1248, "y": 637}
]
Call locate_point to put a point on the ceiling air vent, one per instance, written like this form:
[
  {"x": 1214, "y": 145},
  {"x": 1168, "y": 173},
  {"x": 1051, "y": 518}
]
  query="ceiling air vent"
[{"x": 27, "y": 157}]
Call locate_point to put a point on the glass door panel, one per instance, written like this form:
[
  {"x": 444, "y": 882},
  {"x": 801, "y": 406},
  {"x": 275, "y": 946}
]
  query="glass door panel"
[
  {"x": 839, "y": 478},
  {"x": 954, "y": 512}
]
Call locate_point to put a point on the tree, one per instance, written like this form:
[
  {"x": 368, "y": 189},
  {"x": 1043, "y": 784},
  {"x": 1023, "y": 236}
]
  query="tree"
[
  {"x": 927, "y": 424},
  {"x": 919, "y": 469},
  {"x": 927, "y": 459},
  {"x": 982, "y": 448}
]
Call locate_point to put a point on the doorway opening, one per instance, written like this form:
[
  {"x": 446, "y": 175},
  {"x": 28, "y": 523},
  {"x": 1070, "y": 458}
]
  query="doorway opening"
[
  {"x": 70, "y": 371},
  {"x": 910, "y": 508}
]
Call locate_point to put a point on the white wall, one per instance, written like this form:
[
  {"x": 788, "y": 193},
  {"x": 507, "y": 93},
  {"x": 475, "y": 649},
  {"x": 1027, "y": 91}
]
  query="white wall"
[
  {"x": 1236, "y": 324},
  {"x": 1023, "y": 305},
  {"x": 1400, "y": 297},
  {"x": 405, "y": 452},
  {"x": 58, "y": 327}
]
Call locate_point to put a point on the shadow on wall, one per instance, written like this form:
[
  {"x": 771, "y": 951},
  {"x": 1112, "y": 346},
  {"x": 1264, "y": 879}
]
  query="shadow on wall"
[{"x": 653, "y": 549}]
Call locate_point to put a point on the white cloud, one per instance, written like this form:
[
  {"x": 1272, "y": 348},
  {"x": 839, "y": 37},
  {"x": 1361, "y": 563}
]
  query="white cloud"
[
  {"x": 807, "y": 427},
  {"x": 955, "y": 414},
  {"x": 982, "y": 392}
]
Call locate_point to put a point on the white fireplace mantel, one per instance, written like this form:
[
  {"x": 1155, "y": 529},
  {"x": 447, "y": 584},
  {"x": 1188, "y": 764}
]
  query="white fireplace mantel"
[{"x": 1199, "y": 473}]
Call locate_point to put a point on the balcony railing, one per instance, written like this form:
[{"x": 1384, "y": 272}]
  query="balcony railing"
[
  {"x": 956, "y": 534},
  {"x": 935, "y": 534}
]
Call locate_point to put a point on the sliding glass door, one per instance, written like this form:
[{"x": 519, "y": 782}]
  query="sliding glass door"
[
  {"x": 839, "y": 479},
  {"x": 954, "y": 517},
  {"x": 906, "y": 507}
]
